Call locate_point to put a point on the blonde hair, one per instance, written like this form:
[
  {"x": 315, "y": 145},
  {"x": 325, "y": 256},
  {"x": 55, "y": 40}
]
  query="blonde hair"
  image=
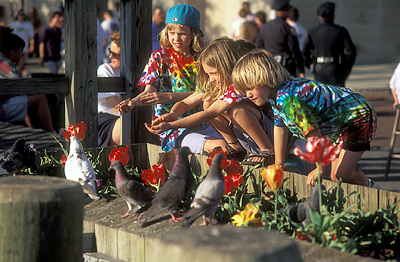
[
  {"x": 222, "y": 54},
  {"x": 258, "y": 68},
  {"x": 116, "y": 38},
  {"x": 197, "y": 41}
]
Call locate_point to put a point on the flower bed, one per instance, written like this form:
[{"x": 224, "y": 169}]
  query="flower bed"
[{"x": 349, "y": 218}]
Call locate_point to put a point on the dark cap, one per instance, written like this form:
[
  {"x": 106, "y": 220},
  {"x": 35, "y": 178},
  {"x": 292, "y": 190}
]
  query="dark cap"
[
  {"x": 326, "y": 9},
  {"x": 280, "y": 5}
]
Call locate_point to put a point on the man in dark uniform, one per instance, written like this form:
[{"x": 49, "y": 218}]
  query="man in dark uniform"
[
  {"x": 280, "y": 39},
  {"x": 329, "y": 49}
]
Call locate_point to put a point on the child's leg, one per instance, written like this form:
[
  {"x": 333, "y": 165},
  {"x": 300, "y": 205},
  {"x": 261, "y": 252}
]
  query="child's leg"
[
  {"x": 247, "y": 119},
  {"x": 116, "y": 134},
  {"x": 42, "y": 111},
  {"x": 345, "y": 167},
  {"x": 221, "y": 125}
]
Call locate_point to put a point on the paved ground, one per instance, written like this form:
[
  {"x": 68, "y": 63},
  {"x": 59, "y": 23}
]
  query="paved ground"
[{"x": 373, "y": 82}]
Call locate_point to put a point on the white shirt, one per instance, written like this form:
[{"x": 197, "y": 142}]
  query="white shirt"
[
  {"x": 301, "y": 33},
  {"x": 25, "y": 31},
  {"x": 395, "y": 81},
  {"x": 105, "y": 70}
]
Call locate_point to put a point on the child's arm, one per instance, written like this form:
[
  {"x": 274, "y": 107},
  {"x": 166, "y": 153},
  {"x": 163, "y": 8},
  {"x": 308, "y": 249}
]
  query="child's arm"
[
  {"x": 152, "y": 98},
  {"x": 216, "y": 109},
  {"x": 280, "y": 140},
  {"x": 180, "y": 108}
]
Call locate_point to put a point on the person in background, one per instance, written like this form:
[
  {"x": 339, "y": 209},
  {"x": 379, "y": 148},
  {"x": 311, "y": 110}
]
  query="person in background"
[
  {"x": 101, "y": 41},
  {"x": 248, "y": 14},
  {"x": 158, "y": 25},
  {"x": 293, "y": 17},
  {"x": 328, "y": 48},
  {"x": 170, "y": 76},
  {"x": 248, "y": 31},
  {"x": 109, "y": 25},
  {"x": 33, "y": 110},
  {"x": 37, "y": 26},
  {"x": 24, "y": 29},
  {"x": 394, "y": 85},
  {"x": 280, "y": 39},
  {"x": 261, "y": 19},
  {"x": 50, "y": 44},
  {"x": 109, "y": 121},
  {"x": 235, "y": 31}
]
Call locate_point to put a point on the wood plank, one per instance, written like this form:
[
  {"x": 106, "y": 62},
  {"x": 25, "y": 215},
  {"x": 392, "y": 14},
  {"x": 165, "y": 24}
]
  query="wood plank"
[
  {"x": 29, "y": 86},
  {"x": 81, "y": 67},
  {"x": 111, "y": 84},
  {"x": 135, "y": 52}
]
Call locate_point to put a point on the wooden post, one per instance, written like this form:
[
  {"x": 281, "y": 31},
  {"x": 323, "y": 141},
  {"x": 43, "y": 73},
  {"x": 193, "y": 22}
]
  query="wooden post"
[
  {"x": 41, "y": 219},
  {"x": 80, "y": 66},
  {"x": 135, "y": 52}
]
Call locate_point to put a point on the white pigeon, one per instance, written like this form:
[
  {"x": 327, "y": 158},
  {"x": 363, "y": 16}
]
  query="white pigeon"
[{"x": 79, "y": 169}]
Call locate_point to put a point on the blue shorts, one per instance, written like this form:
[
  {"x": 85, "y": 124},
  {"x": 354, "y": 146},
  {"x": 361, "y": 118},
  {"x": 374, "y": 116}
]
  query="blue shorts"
[
  {"x": 247, "y": 142},
  {"x": 14, "y": 109},
  {"x": 195, "y": 140}
]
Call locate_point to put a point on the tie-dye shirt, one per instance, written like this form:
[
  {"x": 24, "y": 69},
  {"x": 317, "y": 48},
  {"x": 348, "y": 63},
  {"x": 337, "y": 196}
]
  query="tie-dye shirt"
[
  {"x": 169, "y": 71},
  {"x": 304, "y": 105}
]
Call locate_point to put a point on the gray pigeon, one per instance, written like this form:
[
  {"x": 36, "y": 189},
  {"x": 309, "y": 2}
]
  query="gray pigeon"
[
  {"x": 79, "y": 169},
  {"x": 18, "y": 157},
  {"x": 208, "y": 194},
  {"x": 130, "y": 188},
  {"x": 174, "y": 190},
  {"x": 301, "y": 212}
]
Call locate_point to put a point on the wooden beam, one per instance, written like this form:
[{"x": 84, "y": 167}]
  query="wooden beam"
[
  {"x": 81, "y": 66},
  {"x": 29, "y": 86},
  {"x": 135, "y": 52},
  {"x": 111, "y": 84}
]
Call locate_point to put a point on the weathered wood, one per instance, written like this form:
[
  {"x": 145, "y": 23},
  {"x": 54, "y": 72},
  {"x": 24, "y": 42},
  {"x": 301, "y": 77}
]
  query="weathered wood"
[
  {"x": 40, "y": 219},
  {"x": 135, "y": 52},
  {"x": 80, "y": 66},
  {"x": 28, "y": 86},
  {"x": 111, "y": 84}
]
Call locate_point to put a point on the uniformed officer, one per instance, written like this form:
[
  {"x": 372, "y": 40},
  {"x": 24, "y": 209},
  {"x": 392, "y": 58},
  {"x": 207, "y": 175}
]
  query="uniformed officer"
[
  {"x": 280, "y": 39},
  {"x": 328, "y": 48}
]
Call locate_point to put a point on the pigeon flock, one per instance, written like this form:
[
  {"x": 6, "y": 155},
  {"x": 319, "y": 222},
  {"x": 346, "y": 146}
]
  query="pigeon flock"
[{"x": 19, "y": 157}]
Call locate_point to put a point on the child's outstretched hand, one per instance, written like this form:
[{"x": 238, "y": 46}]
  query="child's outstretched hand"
[
  {"x": 164, "y": 118},
  {"x": 125, "y": 106},
  {"x": 157, "y": 129}
]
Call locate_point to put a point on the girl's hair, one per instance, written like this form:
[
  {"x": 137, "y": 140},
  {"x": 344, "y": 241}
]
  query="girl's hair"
[
  {"x": 258, "y": 68},
  {"x": 197, "y": 41},
  {"x": 222, "y": 54},
  {"x": 116, "y": 38}
]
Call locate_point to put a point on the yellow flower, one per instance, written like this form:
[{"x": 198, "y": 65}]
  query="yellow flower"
[
  {"x": 248, "y": 215},
  {"x": 273, "y": 175}
]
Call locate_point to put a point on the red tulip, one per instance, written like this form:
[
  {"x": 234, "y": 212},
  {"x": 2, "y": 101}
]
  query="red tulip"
[
  {"x": 119, "y": 154},
  {"x": 319, "y": 150},
  {"x": 155, "y": 177},
  {"x": 77, "y": 130},
  {"x": 63, "y": 160}
]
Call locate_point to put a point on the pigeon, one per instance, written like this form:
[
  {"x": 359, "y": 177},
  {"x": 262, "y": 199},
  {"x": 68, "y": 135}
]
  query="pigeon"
[
  {"x": 79, "y": 169},
  {"x": 208, "y": 194},
  {"x": 174, "y": 190},
  {"x": 300, "y": 213},
  {"x": 130, "y": 189},
  {"x": 19, "y": 157}
]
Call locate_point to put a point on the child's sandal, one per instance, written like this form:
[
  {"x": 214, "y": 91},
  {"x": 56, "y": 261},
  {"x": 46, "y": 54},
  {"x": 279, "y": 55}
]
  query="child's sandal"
[{"x": 235, "y": 155}]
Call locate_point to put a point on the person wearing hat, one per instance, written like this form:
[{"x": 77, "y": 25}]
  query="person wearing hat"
[
  {"x": 328, "y": 48},
  {"x": 280, "y": 39},
  {"x": 170, "y": 76}
]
